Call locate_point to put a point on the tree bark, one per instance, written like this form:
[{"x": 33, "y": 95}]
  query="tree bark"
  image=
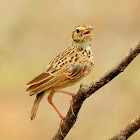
[{"x": 130, "y": 129}]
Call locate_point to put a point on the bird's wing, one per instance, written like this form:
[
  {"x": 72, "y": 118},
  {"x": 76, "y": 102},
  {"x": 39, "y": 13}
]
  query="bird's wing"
[
  {"x": 43, "y": 76},
  {"x": 58, "y": 78},
  {"x": 59, "y": 72},
  {"x": 46, "y": 80},
  {"x": 78, "y": 71}
]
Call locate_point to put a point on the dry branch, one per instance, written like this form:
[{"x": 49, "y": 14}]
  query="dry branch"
[
  {"x": 130, "y": 129},
  {"x": 86, "y": 90}
]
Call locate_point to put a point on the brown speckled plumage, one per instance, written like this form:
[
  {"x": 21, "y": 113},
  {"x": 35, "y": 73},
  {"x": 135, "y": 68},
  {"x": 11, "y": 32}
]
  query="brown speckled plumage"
[{"x": 69, "y": 66}]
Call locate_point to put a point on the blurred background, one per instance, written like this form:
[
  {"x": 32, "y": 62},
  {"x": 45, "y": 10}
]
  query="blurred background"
[{"x": 32, "y": 32}]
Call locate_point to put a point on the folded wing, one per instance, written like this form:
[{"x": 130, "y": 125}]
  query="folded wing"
[{"x": 56, "y": 78}]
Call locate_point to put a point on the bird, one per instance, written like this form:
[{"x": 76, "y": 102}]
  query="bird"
[{"x": 66, "y": 69}]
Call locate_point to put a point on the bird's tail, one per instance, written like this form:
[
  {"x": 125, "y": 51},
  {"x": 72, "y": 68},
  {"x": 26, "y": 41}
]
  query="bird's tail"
[{"x": 36, "y": 105}]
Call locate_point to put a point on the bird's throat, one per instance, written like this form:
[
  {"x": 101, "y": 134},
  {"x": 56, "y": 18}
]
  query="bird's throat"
[{"x": 81, "y": 45}]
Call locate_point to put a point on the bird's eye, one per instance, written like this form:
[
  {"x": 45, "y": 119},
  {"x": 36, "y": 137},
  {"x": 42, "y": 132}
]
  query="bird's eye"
[{"x": 77, "y": 31}]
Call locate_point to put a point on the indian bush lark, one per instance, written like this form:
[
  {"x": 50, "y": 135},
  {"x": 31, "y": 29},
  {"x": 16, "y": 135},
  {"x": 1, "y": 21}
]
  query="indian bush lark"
[{"x": 68, "y": 67}]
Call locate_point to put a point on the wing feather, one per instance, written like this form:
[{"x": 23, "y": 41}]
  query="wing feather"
[
  {"x": 32, "y": 87},
  {"x": 55, "y": 78},
  {"x": 39, "y": 78},
  {"x": 57, "y": 81}
]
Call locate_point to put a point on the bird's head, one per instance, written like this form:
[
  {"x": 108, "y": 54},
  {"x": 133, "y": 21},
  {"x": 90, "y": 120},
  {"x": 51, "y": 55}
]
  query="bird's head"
[{"x": 82, "y": 34}]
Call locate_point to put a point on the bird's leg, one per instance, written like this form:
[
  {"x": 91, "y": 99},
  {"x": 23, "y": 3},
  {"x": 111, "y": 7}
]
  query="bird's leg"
[
  {"x": 68, "y": 93},
  {"x": 50, "y": 101}
]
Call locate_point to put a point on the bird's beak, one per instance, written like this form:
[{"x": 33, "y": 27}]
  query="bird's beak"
[
  {"x": 88, "y": 32},
  {"x": 90, "y": 28}
]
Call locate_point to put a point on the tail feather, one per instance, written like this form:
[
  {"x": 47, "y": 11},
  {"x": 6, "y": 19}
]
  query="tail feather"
[{"x": 36, "y": 105}]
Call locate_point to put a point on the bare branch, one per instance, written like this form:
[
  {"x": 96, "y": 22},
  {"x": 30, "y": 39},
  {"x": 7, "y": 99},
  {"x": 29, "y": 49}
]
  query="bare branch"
[
  {"x": 86, "y": 90},
  {"x": 130, "y": 129}
]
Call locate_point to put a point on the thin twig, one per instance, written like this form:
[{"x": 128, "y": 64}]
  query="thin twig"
[{"x": 86, "y": 90}]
